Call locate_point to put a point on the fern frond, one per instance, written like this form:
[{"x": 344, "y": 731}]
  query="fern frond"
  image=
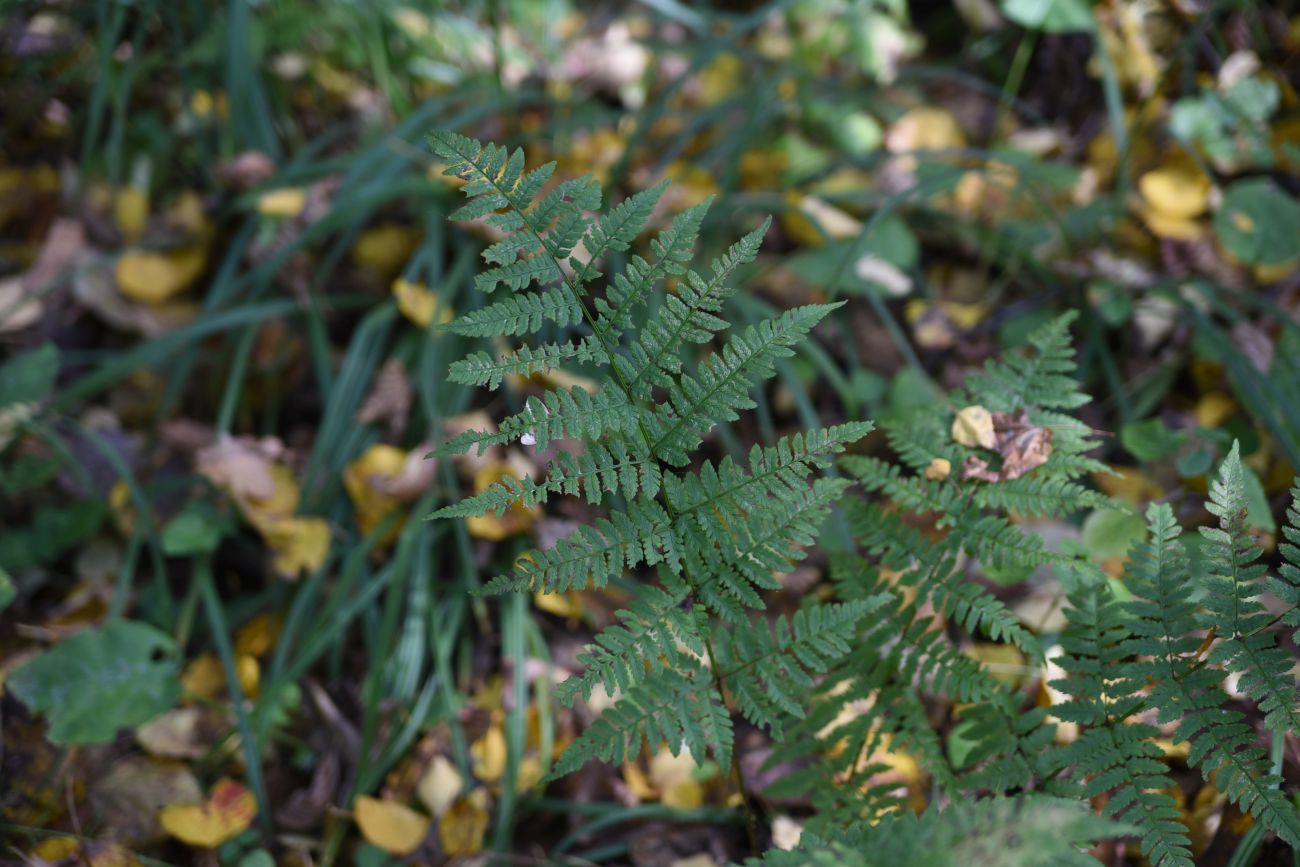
[
  {"x": 558, "y": 413},
  {"x": 1286, "y": 586},
  {"x": 1234, "y": 581},
  {"x": 520, "y": 314},
  {"x": 593, "y": 554},
  {"x": 629, "y": 289},
  {"x": 772, "y": 470},
  {"x": 1113, "y": 756},
  {"x": 688, "y": 317},
  {"x": 1037, "y": 496},
  {"x": 616, "y": 230},
  {"x": 482, "y": 369},
  {"x": 1021, "y": 831},
  {"x": 1043, "y": 378},
  {"x": 721, "y": 386},
  {"x": 655, "y": 632},
  {"x": 680, "y": 707},
  {"x": 1187, "y": 692},
  {"x": 768, "y": 669}
]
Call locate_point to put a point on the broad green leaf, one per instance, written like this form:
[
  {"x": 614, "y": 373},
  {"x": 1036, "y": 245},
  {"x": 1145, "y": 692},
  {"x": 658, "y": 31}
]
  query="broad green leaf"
[
  {"x": 53, "y": 530},
  {"x": 1259, "y": 224},
  {"x": 1052, "y": 16},
  {"x": 1108, "y": 534},
  {"x": 101, "y": 680},
  {"x": 29, "y": 377},
  {"x": 1150, "y": 440},
  {"x": 194, "y": 531}
]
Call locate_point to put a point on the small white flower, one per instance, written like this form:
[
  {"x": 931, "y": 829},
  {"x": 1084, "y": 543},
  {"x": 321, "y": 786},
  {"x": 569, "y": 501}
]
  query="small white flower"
[{"x": 528, "y": 439}]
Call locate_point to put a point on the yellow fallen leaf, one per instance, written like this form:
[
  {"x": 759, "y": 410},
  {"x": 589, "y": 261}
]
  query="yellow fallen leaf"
[
  {"x": 674, "y": 777},
  {"x": 249, "y": 674},
  {"x": 203, "y": 677},
  {"x": 1214, "y": 409},
  {"x": 91, "y": 853},
  {"x": 298, "y": 545},
  {"x": 938, "y": 469},
  {"x": 131, "y": 212},
  {"x": 258, "y": 635},
  {"x": 385, "y": 248},
  {"x": 284, "y": 203},
  {"x": 419, "y": 304},
  {"x": 155, "y": 277},
  {"x": 364, "y": 480},
  {"x": 692, "y": 184},
  {"x": 810, "y": 221},
  {"x": 488, "y": 754},
  {"x": 392, "y": 826},
  {"x": 461, "y": 828},
  {"x": 973, "y": 427},
  {"x": 567, "y": 605},
  {"x": 228, "y": 812},
  {"x": 1176, "y": 192},
  {"x": 925, "y": 128},
  {"x": 702, "y": 859},
  {"x": 440, "y": 785}
]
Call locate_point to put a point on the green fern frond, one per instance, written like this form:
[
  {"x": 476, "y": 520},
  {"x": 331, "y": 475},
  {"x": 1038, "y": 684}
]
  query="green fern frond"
[
  {"x": 720, "y": 388},
  {"x": 593, "y": 554},
  {"x": 655, "y": 632},
  {"x": 1234, "y": 582},
  {"x": 1043, "y": 378},
  {"x": 1286, "y": 586},
  {"x": 520, "y": 314},
  {"x": 688, "y": 317},
  {"x": 482, "y": 369},
  {"x": 557, "y": 414},
  {"x": 769, "y": 669},
  {"x": 1114, "y": 756},
  {"x": 680, "y": 707},
  {"x": 1021, "y": 831},
  {"x": 1187, "y": 692}
]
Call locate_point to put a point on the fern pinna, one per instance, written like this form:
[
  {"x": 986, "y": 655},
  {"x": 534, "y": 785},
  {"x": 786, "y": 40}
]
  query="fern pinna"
[{"x": 714, "y": 533}]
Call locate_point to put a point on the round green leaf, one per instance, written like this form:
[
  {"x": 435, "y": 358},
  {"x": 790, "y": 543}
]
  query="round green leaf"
[
  {"x": 1259, "y": 224},
  {"x": 101, "y": 680}
]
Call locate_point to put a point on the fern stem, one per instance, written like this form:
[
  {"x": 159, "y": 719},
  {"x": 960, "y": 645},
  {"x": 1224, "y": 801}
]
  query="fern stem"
[{"x": 751, "y": 814}]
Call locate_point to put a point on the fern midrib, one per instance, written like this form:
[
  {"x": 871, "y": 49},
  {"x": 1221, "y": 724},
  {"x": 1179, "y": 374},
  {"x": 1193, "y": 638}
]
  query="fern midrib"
[{"x": 717, "y": 284}]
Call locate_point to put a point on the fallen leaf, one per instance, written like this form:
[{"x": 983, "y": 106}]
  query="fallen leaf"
[
  {"x": 973, "y": 427},
  {"x": 461, "y": 828},
  {"x": 440, "y": 785},
  {"x": 284, "y": 203},
  {"x": 175, "y": 734},
  {"x": 365, "y": 480},
  {"x": 390, "y": 825},
  {"x": 516, "y": 519},
  {"x": 18, "y": 308},
  {"x": 1174, "y": 197},
  {"x": 938, "y": 469},
  {"x": 674, "y": 777},
  {"x": 241, "y": 465},
  {"x": 298, "y": 545},
  {"x": 126, "y": 801},
  {"x": 419, "y": 304},
  {"x": 131, "y": 212},
  {"x": 156, "y": 277},
  {"x": 227, "y": 813},
  {"x": 488, "y": 755},
  {"x": 389, "y": 400},
  {"x": 71, "y": 852},
  {"x": 1023, "y": 446},
  {"x": 385, "y": 248}
]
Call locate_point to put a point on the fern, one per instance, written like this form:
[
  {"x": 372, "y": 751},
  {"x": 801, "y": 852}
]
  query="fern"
[
  {"x": 713, "y": 533},
  {"x": 699, "y": 546},
  {"x": 1115, "y": 755}
]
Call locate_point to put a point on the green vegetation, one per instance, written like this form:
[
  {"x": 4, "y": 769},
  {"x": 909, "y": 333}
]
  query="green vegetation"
[{"x": 870, "y": 436}]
